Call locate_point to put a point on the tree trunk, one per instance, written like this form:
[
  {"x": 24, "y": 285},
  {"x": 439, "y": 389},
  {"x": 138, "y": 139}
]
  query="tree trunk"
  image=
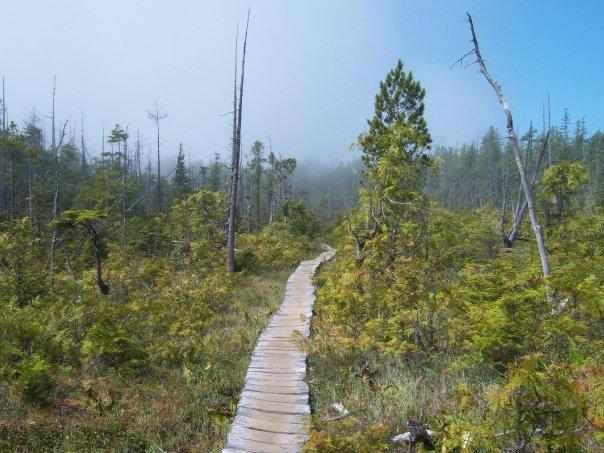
[
  {"x": 124, "y": 181},
  {"x": 514, "y": 140},
  {"x": 3, "y": 107},
  {"x": 30, "y": 188},
  {"x": 234, "y": 173},
  {"x": 83, "y": 150},
  {"x": 55, "y": 202},
  {"x": 159, "y": 200},
  {"x": 96, "y": 248},
  {"x": 12, "y": 192},
  {"x": 505, "y": 199},
  {"x": 511, "y": 237},
  {"x": 231, "y": 264},
  {"x": 258, "y": 219}
]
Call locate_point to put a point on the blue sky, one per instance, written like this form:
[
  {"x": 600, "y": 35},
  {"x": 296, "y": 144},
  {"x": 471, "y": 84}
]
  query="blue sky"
[{"x": 313, "y": 66}]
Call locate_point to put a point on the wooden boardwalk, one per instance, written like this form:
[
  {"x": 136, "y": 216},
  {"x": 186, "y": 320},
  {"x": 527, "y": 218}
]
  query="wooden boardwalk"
[{"x": 273, "y": 410}]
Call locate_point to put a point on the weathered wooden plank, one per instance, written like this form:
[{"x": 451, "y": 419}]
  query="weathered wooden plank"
[
  {"x": 296, "y": 398},
  {"x": 277, "y": 368},
  {"x": 251, "y": 446},
  {"x": 274, "y": 406},
  {"x": 275, "y": 382},
  {"x": 269, "y": 437},
  {"x": 267, "y": 425},
  {"x": 277, "y": 372},
  {"x": 281, "y": 418},
  {"x": 300, "y": 388}
]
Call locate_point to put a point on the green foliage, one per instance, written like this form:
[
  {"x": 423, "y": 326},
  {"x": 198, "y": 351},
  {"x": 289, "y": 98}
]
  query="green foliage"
[
  {"x": 111, "y": 340},
  {"x": 181, "y": 183},
  {"x": 100, "y": 191},
  {"x": 74, "y": 218},
  {"x": 256, "y": 168},
  {"x": 35, "y": 379},
  {"x": 537, "y": 404},
  {"x": 299, "y": 220},
  {"x": 158, "y": 361},
  {"x": 464, "y": 333},
  {"x": 562, "y": 181},
  {"x": 196, "y": 227},
  {"x": 274, "y": 247},
  {"x": 478, "y": 174},
  {"x": 21, "y": 263},
  {"x": 398, "y": 106}
]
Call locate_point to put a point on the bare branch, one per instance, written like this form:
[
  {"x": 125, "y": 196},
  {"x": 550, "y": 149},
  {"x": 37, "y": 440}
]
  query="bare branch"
[{"x": 460, "y": 60}]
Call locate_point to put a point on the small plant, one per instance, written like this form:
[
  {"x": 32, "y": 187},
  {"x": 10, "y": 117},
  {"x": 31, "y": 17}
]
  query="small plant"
[{"x": 36, "y": 380}]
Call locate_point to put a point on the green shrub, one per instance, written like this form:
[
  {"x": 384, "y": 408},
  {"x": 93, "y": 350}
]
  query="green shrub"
[
  {"x": 35, "y": 379},
  {"x": 275, "y": 247},
  {"x": 112, "y": 342},
  {"x": 246, "y": 260}
]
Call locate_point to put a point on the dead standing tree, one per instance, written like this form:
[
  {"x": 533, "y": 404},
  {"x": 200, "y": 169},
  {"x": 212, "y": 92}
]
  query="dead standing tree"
[
  {"x": 236, "y": 153},
  {"x": 526, "y": 187},
  {"x": 56, "y": 239},
  {"x": 156, "y": 113},
  {"x": 510, "y": 238},
  {"x": 3, "y": 107}
]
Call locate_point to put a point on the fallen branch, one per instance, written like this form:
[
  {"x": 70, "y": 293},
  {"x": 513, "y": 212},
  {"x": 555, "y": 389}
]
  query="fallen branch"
[{"x": 416, "y": 434}]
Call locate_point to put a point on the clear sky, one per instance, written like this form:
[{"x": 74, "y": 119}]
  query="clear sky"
[{"x": 313, "y": 66}]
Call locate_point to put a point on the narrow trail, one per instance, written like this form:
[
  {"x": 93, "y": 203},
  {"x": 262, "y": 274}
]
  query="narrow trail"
[{"x": 273, "y": 410}]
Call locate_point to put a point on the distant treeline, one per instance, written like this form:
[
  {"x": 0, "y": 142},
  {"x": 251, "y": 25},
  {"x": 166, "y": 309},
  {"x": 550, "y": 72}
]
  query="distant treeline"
[{"x": 476, "y": 175}]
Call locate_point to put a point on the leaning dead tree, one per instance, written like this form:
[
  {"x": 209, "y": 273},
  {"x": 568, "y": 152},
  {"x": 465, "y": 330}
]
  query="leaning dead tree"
[
  {"x": 526, "y": 187},
  {"x": 521, "y": 209},
  {"x": 236, "y": 153}
]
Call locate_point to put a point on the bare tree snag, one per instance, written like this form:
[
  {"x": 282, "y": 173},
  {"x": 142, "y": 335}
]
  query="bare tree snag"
[
  {"x": 157, "y": 114},
  {"x": 57, "y": 175},
  {"x": 511, "y": 237},
  {"x": 236, "y": 155},
  {"x": 504, "y": 202},
  {"x": 83, "y": 150},
  {"x": 3, "y": 107},
  {"x": 234, "y": 171},
  {"x": 519, "y": 162}
]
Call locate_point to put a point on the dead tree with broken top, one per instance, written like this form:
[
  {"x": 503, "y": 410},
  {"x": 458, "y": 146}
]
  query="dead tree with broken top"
[
  {"x": 526, "y": 187},
  {"x": 236, "y": 154}
]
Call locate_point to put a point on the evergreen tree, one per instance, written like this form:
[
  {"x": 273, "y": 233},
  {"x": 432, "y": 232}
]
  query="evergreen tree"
[
  {"x": 394, "y": 153},
  {"x": 118, "y": 136},
  {"x": 491, "y": 152},
  {"x": 565, "y": 125},
  {"x": 214, "y": 181},
  {"x": 181, "y": 184},
  {"x": 400, "y": 104},
  {"x": 256, "y": 169},
  {"x": 580, "y": 134}
]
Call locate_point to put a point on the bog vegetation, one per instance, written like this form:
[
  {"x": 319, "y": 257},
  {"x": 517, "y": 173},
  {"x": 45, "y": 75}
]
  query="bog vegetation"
[
  {"x": 436, "y": 311},
  {"x": 122, "y": 328}
]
